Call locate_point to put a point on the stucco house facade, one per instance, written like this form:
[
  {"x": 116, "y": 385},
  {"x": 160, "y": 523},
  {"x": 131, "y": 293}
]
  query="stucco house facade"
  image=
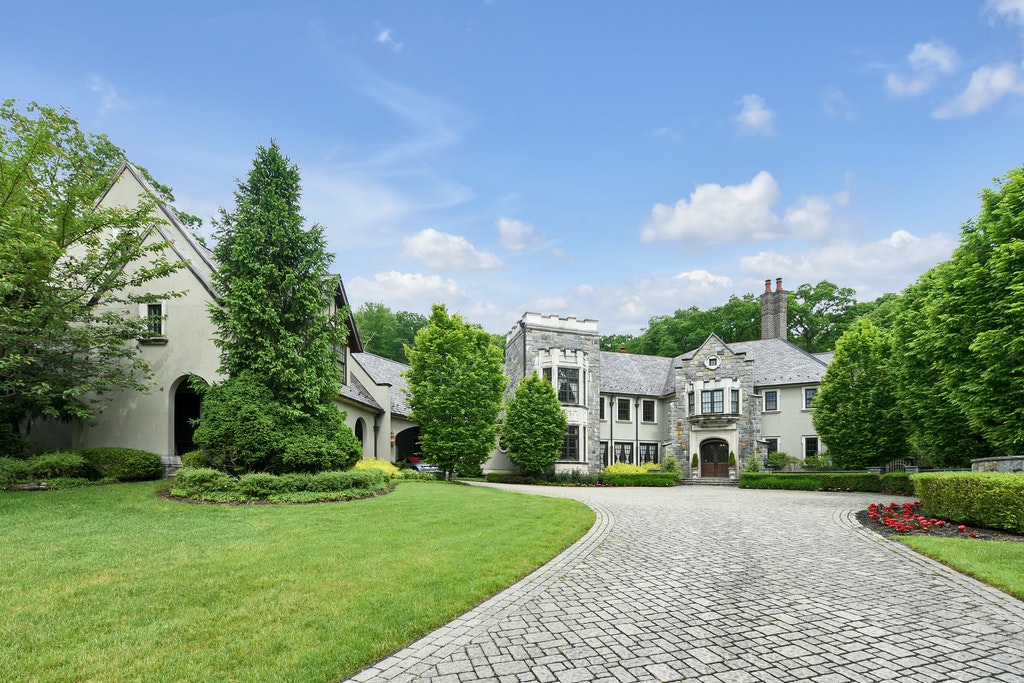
[{"x": 181, "y": 348}]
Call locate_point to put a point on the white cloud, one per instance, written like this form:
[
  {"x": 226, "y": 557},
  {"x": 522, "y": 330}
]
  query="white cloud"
[
  {"x": 552, "y": 304},
  {"x": 928, "y": 62},
  {"x": 385, "y": 38},
  {"x": 1010, "y": 10},
  {"x": 514, "y": 234},
  {"x": 988, "y": 85},
  {"x": 110, "y": 99},
  {"x": 405, "y": 291},
  {"x": 755, "y": 117},
  {"x": 887, "y": 265},
  {"x": 836, "y": 105},
  {"x": 443, "y": 251},
  {"x": 563, "y": 256}
]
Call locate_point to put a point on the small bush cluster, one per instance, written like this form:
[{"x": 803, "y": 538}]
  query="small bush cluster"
[
  {"x": 780, "y": 460},
  {"x": 897, "y": 484},
  {"x": 206, "y": 483},
  {"x": 573, "y": 478},
  {"x": 388, "y": 468},
  {"x": 64, "y": 469},
  {"x": 992, "y": 500},
  {"x": 807, "y": 481},
  {"x": 623, "y": 468},
  {"x": 642, "y": 479}
]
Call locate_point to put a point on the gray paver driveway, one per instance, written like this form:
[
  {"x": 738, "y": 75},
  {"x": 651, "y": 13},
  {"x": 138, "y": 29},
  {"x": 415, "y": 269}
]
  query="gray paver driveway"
[{"x": 720, "y": 584}]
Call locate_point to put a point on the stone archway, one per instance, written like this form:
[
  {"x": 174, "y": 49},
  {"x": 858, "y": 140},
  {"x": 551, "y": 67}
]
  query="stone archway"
[{"x": 714, "y": 458}]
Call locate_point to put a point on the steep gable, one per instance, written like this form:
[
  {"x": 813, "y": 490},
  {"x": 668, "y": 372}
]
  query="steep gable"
[
  {"x": 627, "y": 373},
  {"x": 779, "y": 362}
]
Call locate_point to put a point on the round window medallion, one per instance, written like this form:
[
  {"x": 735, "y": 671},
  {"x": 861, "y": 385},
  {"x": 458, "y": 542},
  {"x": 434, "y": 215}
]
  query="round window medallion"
[{"x": 712, "y": 362}]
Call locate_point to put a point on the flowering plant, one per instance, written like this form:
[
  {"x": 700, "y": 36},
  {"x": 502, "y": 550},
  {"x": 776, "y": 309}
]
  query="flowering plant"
[{"x": 906, "y": 517}]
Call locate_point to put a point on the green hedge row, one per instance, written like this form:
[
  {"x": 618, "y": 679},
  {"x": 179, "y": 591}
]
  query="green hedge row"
[
  {"x": 813, "y": 481},
  {"x": 88, "y": 464},
  {"x": 992, "y": 500},
  {"x": 898, "y": 484},
  {"x": 646, "y": 479},
  {"x": 203, "y": 483}
]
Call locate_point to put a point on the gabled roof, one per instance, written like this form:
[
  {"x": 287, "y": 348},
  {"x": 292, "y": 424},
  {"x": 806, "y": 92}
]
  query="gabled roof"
[
  {"x": 341, "y": 301},
  {"x": 385, "y": 371},
  {"x": 627, "y": 373},
  {"x": 356, "y": 392},
  {"x": 779, "y": 362}
]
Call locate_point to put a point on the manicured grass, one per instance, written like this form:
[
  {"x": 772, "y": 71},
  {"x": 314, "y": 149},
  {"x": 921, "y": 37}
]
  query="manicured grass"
[
  {"x": 997, "y": 563},
  {"x": 113, "y": 584}
]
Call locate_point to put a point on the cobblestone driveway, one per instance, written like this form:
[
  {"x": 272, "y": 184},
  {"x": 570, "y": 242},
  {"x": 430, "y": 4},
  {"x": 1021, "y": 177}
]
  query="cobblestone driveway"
[{"x": 726, "y": 585}]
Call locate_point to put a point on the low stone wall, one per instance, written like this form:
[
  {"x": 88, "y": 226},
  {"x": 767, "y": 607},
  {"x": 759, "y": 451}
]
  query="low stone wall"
[{"x": 1014, "y": 463}]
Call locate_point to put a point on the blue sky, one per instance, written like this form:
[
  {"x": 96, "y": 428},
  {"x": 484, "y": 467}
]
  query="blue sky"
[{"x": 608, "y": 161}]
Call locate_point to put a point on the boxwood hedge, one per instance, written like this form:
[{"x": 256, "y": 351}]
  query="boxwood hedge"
[
  {"x": 813, "y": 481},
  {"x": 993, "y": 500}
]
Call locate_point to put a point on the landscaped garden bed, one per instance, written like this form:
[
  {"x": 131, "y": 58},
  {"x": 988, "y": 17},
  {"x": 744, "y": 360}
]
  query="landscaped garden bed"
[{"x": 906, "y": 519}]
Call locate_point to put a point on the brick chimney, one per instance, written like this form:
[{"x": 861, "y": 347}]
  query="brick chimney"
[{"x": 774, "y": 311}]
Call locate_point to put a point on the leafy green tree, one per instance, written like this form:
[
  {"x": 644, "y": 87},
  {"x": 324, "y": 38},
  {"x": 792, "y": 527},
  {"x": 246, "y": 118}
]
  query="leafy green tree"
[
  {"x": 273, "y": 315},
  {"x": 71, "y": 272},
  {"x": 386, "y": 332},
  {"x": 455, "y": 386},
  {"x": 976, "y": 313},
  {"x": 819, "y": 314},
  {"x": 535, "y": 425},
  {"x": 617, "y": 342},
  {"x": 278, "y": 338},
  {"x": 855, "y": 410}
]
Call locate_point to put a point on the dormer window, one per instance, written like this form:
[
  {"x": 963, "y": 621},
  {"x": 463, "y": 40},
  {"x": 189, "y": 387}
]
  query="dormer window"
[{"x": 155, "y": 316}]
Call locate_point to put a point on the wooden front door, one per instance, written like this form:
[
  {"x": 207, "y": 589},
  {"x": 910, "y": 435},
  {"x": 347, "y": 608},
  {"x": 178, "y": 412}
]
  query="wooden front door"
[{"x": 714, "y": 459}]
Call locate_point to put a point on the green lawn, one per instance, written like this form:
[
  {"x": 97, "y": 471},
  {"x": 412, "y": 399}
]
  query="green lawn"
[
  {"x": 113, "y": 584},
  {"x": 999, "y": 564}
]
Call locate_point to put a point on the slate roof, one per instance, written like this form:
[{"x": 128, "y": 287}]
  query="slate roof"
[
  {"x": 355, "y": 391},
  {"x": 386, "y": 371},
  {"x": 627, "y": 373},
  {"x": 778, "y": 362}
]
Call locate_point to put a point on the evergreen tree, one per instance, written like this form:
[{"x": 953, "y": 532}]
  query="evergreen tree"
[
  {"x": 855, "y": 410},
  {"x": 455, "y": 386},
  {"x": 535, "y": 425},
  {"x": 274, "y": 316}
]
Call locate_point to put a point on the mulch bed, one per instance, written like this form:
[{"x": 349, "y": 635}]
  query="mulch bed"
[{"x": 945, "y": 531}]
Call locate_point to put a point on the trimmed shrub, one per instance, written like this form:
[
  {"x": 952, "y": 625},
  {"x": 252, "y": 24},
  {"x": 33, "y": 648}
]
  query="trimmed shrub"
[
  {"x": 382, "y": 465},
  {"x": 641, "y": 479},
  {"x": 780, "y": 460},
  {"x": 623, "y": 468},
  {"x": 351, "y": 479},
  {"x": 197, "y": 482},
  {"x": 897, "y": 483},
  {"x": 670, "y": 464},
  {"x": 260, "y": 485},
  {"x": 309, "y": 454},
  {"x": 993, "y": 500},
  {"x": 123, "y": 464},
  {"x": 296, "y": 481},
  {"x": 58, "y": 464},
  {"x": 573, "y": 478},
  {"x": 194, "y": 459},
  {"x": 804, "y": 481},
  {"x": 14, "y": 471}
]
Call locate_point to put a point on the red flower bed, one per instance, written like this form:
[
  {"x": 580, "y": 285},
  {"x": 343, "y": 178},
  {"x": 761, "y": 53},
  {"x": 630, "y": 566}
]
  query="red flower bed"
[{"x": 906, "y": 518}]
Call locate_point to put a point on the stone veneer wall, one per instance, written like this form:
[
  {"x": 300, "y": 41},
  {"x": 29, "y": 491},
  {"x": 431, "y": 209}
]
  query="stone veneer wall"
[
  {"x": 536, "y": 332},
  {"x": 733, "y": 366}
]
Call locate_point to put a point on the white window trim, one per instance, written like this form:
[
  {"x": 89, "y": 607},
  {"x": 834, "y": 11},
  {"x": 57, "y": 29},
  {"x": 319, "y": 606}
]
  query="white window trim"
[
  {"x": 629, "y": 403},
  {"x": 653, "y": 420},
  {"x": 776, "y": 409},
  {"x": 803, "y": 397},
  {"x": 161, "y": 337}
]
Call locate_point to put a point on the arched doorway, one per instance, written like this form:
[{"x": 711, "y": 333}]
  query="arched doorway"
[
  {"x": 407, "y": 443},
  {"x": 360, "y": 432},
  {"x": 188, "y": 406},
  {"x": 714, "y": 458}
]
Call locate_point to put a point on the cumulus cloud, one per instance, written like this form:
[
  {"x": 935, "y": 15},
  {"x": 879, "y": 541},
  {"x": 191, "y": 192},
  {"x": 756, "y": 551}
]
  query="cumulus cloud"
[
  {"x": 386, "y": 39},
  {"x": 552, "y": 304},
  {"x": 755, "y": 116},
  {"x": 988, "y": 85},
  {"x": 1010, "y": 10},
  {"x": 405, "y": 291},
  {"x": 513, "y": 234},
  {"x": 928, "y": 62},
  {"x": 443, "y": 251},
  {"x": 887, "y": 265}
]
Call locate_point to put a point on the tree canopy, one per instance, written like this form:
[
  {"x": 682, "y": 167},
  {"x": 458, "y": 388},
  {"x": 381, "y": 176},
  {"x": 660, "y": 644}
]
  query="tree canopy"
[
  {"x": 534, "y": 427},
  {"x": 386, "y": 332},
  {"x": 455, "y": 383},
  {"x": 73, "y": 271}
]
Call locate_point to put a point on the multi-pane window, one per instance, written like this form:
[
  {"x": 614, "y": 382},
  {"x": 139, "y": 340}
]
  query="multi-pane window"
[
  {"x": 623, "y": 452},
  {"x": 601, "y": 402},
  {"x": 691, "y": 403},
  {"x": 603, "y": 448},
  {"x": 569, "y": 385},
  {"x": 810, "y": 446},
  {"x": 571, "y": 445},
  {"x": 623, "y": 409},
  {"x": 155, "y": 319},
  {"x": 712, "y": 401},
  {"x": 771, "y": 400},
  {"x": 734, "y": 400},
  {"x": 648, "y": 410},
  {"x": 648, "y": 453},
  {"x": 772, "y": 444},
  {"x": 809, "y": 394}
]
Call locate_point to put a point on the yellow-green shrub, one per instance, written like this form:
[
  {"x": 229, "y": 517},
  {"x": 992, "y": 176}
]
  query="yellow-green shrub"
[
  {"x": 623, "y": 468},
  {"x": 387, "y": 467}
]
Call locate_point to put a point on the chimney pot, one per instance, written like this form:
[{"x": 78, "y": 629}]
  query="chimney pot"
[
  {"x": 778, "y": 284},
  {"x": 622, "y": 349},
  {"x": 767, "y": 285}
]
